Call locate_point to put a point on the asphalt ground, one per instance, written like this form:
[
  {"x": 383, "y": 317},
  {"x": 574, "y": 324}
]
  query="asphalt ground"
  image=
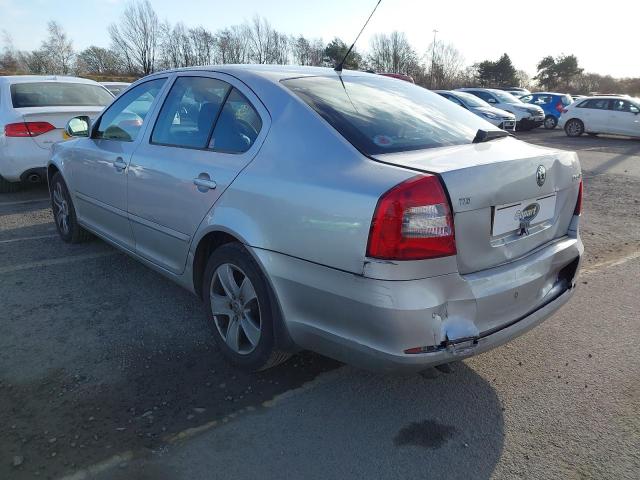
[{"x": 108, "y": 369}]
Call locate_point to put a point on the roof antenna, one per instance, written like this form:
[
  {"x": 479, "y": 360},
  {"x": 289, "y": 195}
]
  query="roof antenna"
[{"x": 338, "y": 67}]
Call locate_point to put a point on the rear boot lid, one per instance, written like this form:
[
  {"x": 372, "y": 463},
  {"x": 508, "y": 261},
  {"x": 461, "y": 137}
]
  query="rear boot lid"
[{"x": 508, "y": 197}]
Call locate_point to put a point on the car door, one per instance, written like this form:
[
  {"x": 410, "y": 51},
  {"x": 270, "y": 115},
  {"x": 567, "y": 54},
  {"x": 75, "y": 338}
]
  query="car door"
[
  {"x": 99, "y": 165},
  {"x": 208, "y": 129},
  {"x": 594, "y": 113},
  {"x": 624, "y": 118}
]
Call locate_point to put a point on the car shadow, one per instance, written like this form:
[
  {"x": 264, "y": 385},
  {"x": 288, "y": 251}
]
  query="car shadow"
[{"x": 350, "y": 424}]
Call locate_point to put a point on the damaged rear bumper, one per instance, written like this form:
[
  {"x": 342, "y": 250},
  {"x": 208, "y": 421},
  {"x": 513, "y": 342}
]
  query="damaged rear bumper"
[{"x": 414, "y": 324}]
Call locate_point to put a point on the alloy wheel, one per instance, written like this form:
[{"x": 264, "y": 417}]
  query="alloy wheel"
[
  {"x": 61, "y": 209},
  {"x": 574, "y": 128},
  {"x": 235, "y": 308}
]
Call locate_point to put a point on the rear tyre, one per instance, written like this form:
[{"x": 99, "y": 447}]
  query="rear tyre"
[
  {"x": 64, "y": 213},
  {"x": 241, "y": 309},
  {"x": 550, "y": 122},
  {"x": 574, "y": 128},
  {"x": 9, "y": 187}
]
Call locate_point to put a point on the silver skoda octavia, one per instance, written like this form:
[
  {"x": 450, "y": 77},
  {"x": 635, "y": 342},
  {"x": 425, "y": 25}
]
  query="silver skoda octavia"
[{"x": 359, "y": 216}]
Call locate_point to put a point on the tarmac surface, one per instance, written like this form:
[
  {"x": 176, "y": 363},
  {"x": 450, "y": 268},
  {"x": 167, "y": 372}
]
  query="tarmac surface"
[{"x": 109, "y": 370}]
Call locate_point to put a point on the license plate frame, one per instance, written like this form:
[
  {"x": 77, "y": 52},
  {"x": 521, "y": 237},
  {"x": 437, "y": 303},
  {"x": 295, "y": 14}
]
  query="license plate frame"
[{"x": 507, "y": 217}]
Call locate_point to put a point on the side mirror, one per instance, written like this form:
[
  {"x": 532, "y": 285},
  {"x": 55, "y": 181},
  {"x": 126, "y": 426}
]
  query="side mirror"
[
  {"x": 491, "y": 100},
  {"x": 78, "y": 127}
]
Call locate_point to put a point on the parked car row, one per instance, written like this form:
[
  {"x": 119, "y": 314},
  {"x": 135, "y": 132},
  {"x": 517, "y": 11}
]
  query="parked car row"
[{"x": 498, "y": 107}]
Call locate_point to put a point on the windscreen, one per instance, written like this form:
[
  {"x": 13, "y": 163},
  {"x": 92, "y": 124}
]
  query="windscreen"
[
  {"x": 471, "y": 100},
  {"x": 382, "y": 115},
  {"x": 58, "y": 94},
  {"x": 506, "y": 97}
]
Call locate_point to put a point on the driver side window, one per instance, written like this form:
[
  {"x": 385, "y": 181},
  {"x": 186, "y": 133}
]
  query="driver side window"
[{"x": 124, "y": 118}]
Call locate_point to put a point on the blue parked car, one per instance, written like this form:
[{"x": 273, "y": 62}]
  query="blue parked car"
[{"x": 551, "y": 103}]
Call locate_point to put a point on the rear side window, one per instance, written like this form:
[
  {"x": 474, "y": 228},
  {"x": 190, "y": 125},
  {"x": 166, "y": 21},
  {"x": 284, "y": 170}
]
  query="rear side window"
[
  {"x": 238, "y": 125},
  {"x": 383, "y": 115},
  {"x": 595, "y": 103},
  {"x": 189, "y": 112},
  {"x": 541, "y": 99},
  {"x": 58, "y": 94}
]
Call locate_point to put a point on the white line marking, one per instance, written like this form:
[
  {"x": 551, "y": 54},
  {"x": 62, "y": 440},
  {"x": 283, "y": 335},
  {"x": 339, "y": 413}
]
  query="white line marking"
[
  {"x": 609, "y": 263},
  {"x": 56, "y": 261},
  {"x": 26, "y": 239},
  {"x": 97, "y": 468},
  {"x": 23, "y": 202}
]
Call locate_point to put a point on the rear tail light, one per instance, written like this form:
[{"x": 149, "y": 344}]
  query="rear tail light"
[
  {"x": 578, "y": 209},
  {"x": 27, "y": 129},
  {"x": 413, "y": 221},
  {"x": 560, "y": 107}
]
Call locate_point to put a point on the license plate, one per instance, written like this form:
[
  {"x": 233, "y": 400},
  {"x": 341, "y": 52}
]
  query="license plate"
[{"x": 509, "y": 217}]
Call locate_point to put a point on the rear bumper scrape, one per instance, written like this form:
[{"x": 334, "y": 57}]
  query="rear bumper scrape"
[{"x": 373, "y": 323}]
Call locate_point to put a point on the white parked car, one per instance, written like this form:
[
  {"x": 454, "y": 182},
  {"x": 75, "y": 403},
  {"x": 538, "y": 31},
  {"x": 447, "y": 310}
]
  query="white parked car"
[
  {"x": 499, "y": 118},
  {"x": 617, "y": 115},
  {"x": 527, "y": 116},
  {"x": 116, "y": 88},
  {"x": 33, "y": 113}
]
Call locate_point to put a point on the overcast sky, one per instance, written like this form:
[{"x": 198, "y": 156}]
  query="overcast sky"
[{"x": 605, "y": 41}]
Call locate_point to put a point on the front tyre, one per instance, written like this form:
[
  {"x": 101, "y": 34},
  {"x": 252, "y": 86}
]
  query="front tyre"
[
  {"x": 574, "y": 128},
  {"x": 64, "y": 213},
  {"x": 241, "y": 309}
]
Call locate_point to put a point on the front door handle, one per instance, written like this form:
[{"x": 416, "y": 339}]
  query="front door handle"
[
  {"x": 120, "y": 164},
  {"x": 204, "y": 182}
]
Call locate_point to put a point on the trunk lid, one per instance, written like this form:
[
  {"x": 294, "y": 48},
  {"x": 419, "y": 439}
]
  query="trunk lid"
[
  {"x": 492, "y": 187},
  {"x": 56, "y": 116}
]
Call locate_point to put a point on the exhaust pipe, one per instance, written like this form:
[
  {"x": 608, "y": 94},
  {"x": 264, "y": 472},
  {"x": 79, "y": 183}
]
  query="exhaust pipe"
[{"x": 34, "y": 178}]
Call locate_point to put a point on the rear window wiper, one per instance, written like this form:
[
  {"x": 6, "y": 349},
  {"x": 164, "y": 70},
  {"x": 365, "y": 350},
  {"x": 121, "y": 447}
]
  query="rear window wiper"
[{"x": 488, "y": 135}]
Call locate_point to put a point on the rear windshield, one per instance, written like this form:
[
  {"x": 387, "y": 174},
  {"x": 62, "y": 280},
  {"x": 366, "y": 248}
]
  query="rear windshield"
[
  {"x": 58, "y": 94},
  {"x": 383, "y": 115}
]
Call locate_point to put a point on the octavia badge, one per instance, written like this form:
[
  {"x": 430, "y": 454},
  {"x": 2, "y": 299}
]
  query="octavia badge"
[{"x": 541, "y": 175}]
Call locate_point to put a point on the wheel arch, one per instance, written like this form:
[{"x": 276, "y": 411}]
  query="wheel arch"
[
  {"x": 206, "y": 245},
  {"x": 52, "y": 169}
]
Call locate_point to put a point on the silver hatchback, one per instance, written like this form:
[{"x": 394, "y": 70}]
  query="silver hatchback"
[{"x": 362, "y": 217}]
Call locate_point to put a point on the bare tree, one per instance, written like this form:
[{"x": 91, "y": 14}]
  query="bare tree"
[
  {"x": 392, "y": 53},
  {"x": 306, "y": 52},
  {"x": 9, "y": 56},
  {"x": 58, "y": 50},
  {"x": 445, "y": 64},
  {"x": 203, "y": 45},
  {"x": 316, "y": 53},
  {"x": 232, "y": 45},
  {"x": 98, "y": 61},
  {"x": 260, "y": 39},
  {"x": 136, "y": 36}
]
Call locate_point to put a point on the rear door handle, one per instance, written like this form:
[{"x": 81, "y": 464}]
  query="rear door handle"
[
  {"x": 204, "y": 182},
  {"x": 120, "y": 164}
]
